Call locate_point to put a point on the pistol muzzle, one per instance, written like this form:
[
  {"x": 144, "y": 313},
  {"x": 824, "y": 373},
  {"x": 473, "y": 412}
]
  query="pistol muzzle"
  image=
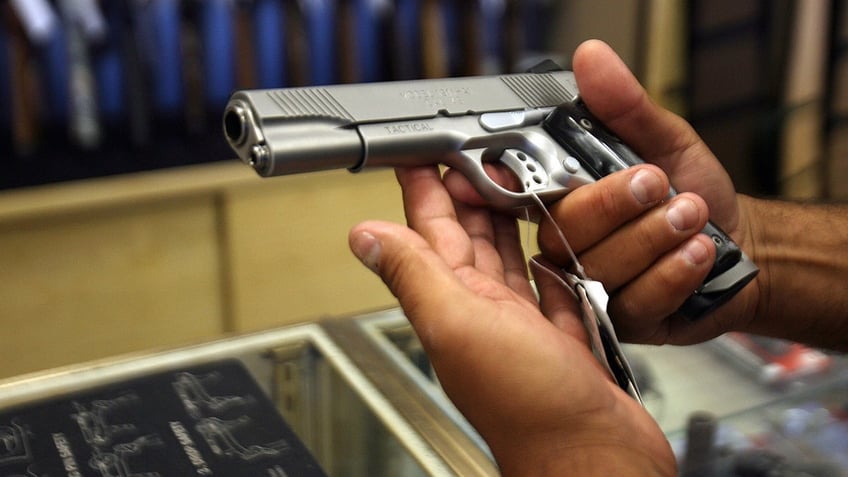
[{"x": 304, "y": 145}]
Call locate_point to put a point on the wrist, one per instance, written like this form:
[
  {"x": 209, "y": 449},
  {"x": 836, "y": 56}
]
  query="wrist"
[
  {"x": 800, "y": 251},
  {"x": 749, "y": 238},
  {"x": 585, "y": 459},
  {"x": 625, "y": 442}
]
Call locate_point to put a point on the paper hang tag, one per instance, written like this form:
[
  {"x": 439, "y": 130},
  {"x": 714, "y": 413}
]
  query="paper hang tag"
[
  {"x": 592, "y": 299},
  {"x": 613, "y": 354}
]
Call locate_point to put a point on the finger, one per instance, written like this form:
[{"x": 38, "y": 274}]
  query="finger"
[
  {"x": 556, "y": 302},
  {"x": 497, "y": 247},
  {"x": 414, "y": 272},
  {"x": 640, "y": 308},
  {"x": 614, "y": 95},
  {"x": 452, "y": 310},
  {"x": 630, "y": 250},
  {"x": 592, "y": 212},
  {"x": 430, "y": 211},
  {"x": 477, "y": 223},
  {"x": 510, "y": 248},
  {"x": 463, "y": 190}
]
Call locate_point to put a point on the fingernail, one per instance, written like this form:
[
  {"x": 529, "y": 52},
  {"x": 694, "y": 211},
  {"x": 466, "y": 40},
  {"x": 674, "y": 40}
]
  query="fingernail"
[
  {"x": 646, "y": 186},
  {"x": 682, "y": 214},
  {"x": 367, "y": 249},
  {"x": 695, "y": 252}
]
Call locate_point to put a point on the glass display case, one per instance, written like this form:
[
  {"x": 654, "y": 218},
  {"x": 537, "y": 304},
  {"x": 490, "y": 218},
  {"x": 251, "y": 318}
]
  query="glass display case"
[
  {"x": 355, "y": 396},
  {"x": 337, "y": 406},
  {"x": 770, "y": 403}
]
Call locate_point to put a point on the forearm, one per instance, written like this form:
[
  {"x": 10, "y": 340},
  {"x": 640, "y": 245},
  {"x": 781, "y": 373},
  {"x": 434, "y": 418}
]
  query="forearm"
[
  {"x": 586, "y": 461},
  {"x": 599, "y": 443},
  {"x": 802, "y": 251},
  {"x": 601, "y": 464}
]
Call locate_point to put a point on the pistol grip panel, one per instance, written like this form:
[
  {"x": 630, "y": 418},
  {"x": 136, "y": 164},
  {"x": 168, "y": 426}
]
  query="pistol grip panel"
[
  {"x": 728, "y": 253},
  {"x": 718, "y": 289}
]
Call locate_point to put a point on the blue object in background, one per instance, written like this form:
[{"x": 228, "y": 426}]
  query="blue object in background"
[
  {"x": 407, "y": 36},
  {"x": 109, "y": 67},
  {"x": 168, "y": 87},
  {"x": 269, "y": 27},
  {"x": 492, "y": 13},
  {"x": 5, "y": 86},
  {"x": 55, "y": 72},
  {"x": 158, "y": 33},
  {"x": 368, "y": 19},
  {"x": 535, "y": 14},
  {"x": 218, "y": 51},
  {"x": 320, "y": 18},
  {"x": 453, "y": 39}
]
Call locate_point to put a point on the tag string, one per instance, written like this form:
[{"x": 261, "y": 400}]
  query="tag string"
[{"x": 578, "y": 267}]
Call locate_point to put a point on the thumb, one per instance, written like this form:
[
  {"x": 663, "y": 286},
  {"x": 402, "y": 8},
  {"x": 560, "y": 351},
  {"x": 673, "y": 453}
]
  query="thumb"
[
  {"x": 614, "y": 95},
  {"x": 410, "y": 268}
]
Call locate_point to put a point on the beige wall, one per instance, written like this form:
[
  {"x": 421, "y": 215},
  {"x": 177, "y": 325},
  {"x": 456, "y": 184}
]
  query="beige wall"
[
  {"x": 287, "y": 241},
  {"x": 108, "y": 266}
]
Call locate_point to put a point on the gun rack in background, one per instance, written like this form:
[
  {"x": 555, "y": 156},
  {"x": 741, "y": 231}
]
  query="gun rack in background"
[{"x": 92, "y": 88}]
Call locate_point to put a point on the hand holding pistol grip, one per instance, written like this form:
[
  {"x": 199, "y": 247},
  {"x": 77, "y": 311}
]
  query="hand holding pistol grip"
[{"x": 602, "y": 153}]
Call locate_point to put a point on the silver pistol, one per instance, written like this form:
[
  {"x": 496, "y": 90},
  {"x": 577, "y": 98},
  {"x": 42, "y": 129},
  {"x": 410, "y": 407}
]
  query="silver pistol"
[{"x": 532, "y": 123}]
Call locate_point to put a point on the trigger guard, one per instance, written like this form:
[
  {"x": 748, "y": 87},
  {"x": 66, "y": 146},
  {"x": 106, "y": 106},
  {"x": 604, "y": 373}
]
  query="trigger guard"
[
  {"x": 545, "y": 172},
  {"x": 471, "y": 166}
]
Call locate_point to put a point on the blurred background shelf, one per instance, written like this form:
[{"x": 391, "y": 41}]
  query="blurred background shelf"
[{"x": 125, "y": 223}]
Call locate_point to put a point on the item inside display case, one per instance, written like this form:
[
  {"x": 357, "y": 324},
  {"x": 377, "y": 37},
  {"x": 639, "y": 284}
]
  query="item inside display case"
[
  {"x": 806, "y": 441},
  {"x": 211, "y": 419},
  {"x": 362, "y": 400},
  {"x": 278, "y": 403},
  {"x": 772, "y": 361},
  {"x": 798, "y": 426}
]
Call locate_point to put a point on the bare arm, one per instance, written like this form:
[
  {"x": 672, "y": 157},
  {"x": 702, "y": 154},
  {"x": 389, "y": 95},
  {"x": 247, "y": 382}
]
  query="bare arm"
[{"x": 802, "y": 250}]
